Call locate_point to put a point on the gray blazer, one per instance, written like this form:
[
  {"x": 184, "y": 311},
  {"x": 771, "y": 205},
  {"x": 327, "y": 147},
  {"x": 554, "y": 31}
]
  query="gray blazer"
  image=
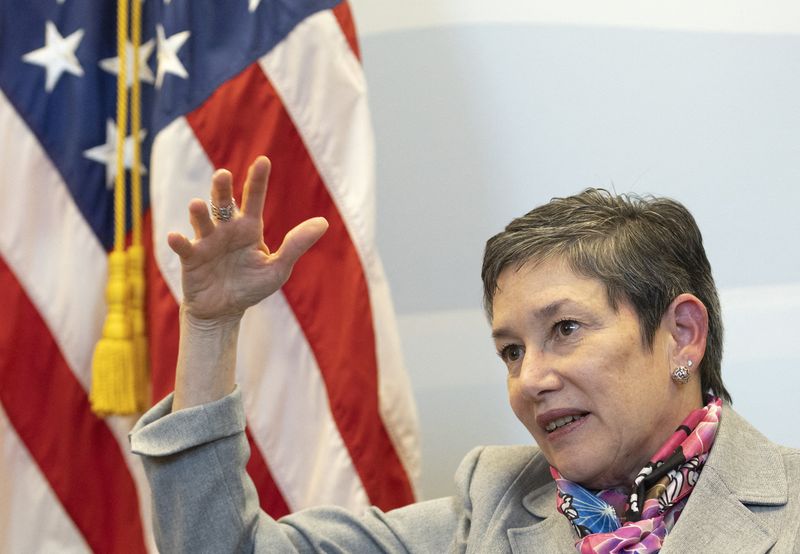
[{"x": 746, "y": 500}]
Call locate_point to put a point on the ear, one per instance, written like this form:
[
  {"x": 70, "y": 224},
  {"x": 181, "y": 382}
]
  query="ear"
[{"x": 687, "y": 321}]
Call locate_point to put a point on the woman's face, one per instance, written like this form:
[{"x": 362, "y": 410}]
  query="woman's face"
[{"x": 598, "y": 402}]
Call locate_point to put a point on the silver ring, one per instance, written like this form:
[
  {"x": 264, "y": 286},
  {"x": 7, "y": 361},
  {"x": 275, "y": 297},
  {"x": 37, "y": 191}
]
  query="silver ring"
[{"x": 224, "y": 213}]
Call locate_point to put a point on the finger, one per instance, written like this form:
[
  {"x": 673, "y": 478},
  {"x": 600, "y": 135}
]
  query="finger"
[
  {"x": 199, "y": 218},
  {"x": 222, "y": 188},
  {"x": 255, "y": 187},
  {"x": 300, "y": 239},
  {"x": 179, "y": 244}
]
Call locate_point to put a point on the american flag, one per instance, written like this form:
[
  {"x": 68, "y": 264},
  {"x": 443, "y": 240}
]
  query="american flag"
[{"x": 330, "y": 413}]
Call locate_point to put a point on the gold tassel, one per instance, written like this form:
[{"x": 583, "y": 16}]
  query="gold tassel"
[
  {"x": 136, "y": 282},
  {"x": 113, "y": 383}
]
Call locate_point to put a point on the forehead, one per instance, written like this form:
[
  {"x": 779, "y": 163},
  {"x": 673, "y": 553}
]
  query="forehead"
[
  {"x": 545, "y": 287},
  {"x": 540, "y": 275}
]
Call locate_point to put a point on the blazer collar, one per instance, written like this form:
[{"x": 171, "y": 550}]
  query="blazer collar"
[
  {"x": 744, "y": 468},
  {"x": 551, "y": 533}
]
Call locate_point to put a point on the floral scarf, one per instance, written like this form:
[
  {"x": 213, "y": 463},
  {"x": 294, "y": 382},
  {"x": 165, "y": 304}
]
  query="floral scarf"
[{"x": 657, "y": 497}]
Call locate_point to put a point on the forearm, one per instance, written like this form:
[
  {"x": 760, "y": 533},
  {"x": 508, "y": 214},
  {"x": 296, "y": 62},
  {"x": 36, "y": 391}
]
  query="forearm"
[
  {"x": 202, "y": 499},
  {"x": 206, "y": 368}
]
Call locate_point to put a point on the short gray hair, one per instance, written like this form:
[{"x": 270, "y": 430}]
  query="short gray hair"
[{"x": 646, "y": 250}]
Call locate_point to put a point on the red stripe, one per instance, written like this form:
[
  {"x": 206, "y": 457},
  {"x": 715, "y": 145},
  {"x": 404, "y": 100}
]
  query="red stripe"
[
  {"x": 328, "y": 290},
  {"x": 50, "y": 412},
  {"x": 163, "y": 340},
  {"x": 345, "y": 18}
]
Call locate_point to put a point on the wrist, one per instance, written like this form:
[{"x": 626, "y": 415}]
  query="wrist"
[
  {"x": 208, "y": 324},
  {"x": 206, "y": 365}
]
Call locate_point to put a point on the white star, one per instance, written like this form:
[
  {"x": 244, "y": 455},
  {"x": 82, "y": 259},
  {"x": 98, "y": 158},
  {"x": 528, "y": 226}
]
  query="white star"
[
  {"x": 111, "y": 65},
  {"x": 168, "y": 61},
  {"x": 254, "y": 5},
  {"x": 57, "y": 55},
  {"x": 107, "y": 153}
]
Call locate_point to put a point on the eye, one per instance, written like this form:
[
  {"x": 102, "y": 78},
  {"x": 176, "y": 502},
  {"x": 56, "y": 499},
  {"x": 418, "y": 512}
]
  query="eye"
[
  {"x": 566, "y": 327},
  {"x": 511, "y": 353}
]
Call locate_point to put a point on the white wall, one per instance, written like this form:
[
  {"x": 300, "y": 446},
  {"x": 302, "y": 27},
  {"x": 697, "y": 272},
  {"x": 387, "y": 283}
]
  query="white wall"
[
  {"x": 483, "y": 111},
  {"x": 749, "y": 16}
]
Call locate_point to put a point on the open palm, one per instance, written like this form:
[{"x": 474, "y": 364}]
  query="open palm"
[{"x": 228, "y": 267}]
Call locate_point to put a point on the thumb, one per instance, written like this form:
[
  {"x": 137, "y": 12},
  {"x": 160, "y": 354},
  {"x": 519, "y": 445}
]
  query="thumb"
[{"x": 300, "y": 239}]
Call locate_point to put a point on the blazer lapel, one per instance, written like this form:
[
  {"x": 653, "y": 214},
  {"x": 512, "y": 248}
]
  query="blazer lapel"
[
  {"x": 743, "y": 469},
  {"x": 551, "y": 533},
  {"x": 716, "y": 521}
]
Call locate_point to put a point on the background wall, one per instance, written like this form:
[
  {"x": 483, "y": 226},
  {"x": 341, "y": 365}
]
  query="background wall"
[{"x": 482, "y": 112}]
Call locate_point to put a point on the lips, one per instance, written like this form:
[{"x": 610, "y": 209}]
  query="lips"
[
  {"x": 560, "y": 422},
  {"x": 554, "y": 420}
]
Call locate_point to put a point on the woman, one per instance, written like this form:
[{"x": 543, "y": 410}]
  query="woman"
[{"x": 606, "y": 314}]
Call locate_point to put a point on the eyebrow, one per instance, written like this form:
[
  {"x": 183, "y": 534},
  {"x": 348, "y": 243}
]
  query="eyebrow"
[{"x": 545, "y": 312}]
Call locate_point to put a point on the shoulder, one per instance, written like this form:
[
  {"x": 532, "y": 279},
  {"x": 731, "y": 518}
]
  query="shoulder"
[
  {"x": 762, "y": 475},
  {"x": 505, "y": 462},
  {"x": 741, "y": 451},
  {"x": 741, "y": 443},
  {"x": 791, "y": 462}
]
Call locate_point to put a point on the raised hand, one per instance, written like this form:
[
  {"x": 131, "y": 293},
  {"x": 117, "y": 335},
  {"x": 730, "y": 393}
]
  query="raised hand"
[{"x": 227, "y": 267}]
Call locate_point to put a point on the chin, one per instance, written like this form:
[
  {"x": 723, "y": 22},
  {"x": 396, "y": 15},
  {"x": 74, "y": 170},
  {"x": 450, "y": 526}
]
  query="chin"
[
  {"x": 574, "y": 475},
  {"x": 591, "y": 477}
]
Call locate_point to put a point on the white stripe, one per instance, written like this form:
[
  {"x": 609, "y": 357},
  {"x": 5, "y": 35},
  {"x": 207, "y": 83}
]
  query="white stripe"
[
  {"x": 286, "y": 400},
  {"x": 289, "y": 412},
  {"x": 322, "y": 86},
  {"x": 323, "y": 89},
  {"x": 739, "y": 16},
  {"x": 31, "y": 517},
  {"x": 58, "y": 261}
]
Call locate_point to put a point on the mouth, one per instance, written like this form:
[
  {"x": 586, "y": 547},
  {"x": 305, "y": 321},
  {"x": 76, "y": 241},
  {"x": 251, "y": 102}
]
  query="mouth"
[
  {"x": 562, "y": 422},
  {"x": 554, "y": 421}
]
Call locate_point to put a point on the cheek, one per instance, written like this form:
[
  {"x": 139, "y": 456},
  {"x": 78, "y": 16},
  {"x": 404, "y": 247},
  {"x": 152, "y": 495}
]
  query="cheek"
[
  {"x": 517, "y": 401},
  {"x": 629, "y": 374},
  {"x": 513, "y": 396},
  {"x": 523, "y": 409}
]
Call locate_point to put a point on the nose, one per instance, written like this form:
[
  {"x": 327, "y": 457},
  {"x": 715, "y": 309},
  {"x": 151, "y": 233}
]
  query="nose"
[{"x": 539, "y": 373}]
